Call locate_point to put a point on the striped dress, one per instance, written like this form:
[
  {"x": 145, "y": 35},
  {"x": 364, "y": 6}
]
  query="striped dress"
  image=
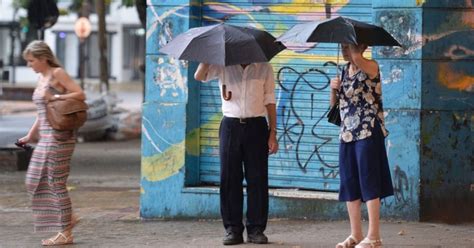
[{"x": 48, "y": 171}]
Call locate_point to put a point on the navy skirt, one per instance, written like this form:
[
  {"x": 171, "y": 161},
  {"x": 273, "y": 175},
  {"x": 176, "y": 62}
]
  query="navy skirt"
[{"x": 364, "y": 169}]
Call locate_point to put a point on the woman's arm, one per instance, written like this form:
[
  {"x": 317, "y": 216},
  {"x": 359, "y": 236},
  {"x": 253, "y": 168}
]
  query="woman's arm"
[
  {"x": 32, "y": 134},
  {"x": 369, "y": 67},
  {"x": 73, "y": 91},
  {"x": 335, "y": 86}
]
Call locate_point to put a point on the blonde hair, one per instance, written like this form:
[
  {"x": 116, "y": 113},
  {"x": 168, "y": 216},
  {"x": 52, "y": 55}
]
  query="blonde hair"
[{"x": 39, "y": 49}]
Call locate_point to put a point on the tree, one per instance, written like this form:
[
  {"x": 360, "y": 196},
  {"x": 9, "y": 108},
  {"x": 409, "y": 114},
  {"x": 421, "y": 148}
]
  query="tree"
[
  {"x": 104, "y": 70},
  {"x": 141, "y": 9}
]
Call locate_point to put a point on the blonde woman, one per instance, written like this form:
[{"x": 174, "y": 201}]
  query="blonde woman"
[{"x": 49, "y": 166}]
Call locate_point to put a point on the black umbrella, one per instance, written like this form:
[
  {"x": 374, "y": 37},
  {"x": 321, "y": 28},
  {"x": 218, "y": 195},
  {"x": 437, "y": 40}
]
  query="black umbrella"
[
  {"x": 224, "y": 44},
  {"x": 42, "y": 13},
  {"x": 339, "y": 30}
]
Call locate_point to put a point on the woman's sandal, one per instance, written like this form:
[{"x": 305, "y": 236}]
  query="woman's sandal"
[
  {"x": 372, "y": 243},
  {"x": 350, "y": 242},
  {"x": 59, "y": 239}
]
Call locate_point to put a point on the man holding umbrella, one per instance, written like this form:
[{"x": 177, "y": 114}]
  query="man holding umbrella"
[
  {"x": 245, "y": 138},
  {"x": 238, "y": 57}
]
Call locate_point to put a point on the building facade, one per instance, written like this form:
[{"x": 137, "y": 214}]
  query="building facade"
[
  {"x": 126, "y": 39},
  {"x": 428, "y": 100}
]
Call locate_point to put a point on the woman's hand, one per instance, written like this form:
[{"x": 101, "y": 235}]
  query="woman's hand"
[
  {"x": 335, "y": 84},
  {"x": 48, "y": 96},
  {"x": 25, "y": 140}
]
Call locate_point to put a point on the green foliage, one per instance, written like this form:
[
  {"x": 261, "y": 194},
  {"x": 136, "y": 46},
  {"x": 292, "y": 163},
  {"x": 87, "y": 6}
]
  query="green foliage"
[
  {"x": 75, "y": 5},
  {"x": 20, "y": 4},
  {"x": 128, "y": 3}
]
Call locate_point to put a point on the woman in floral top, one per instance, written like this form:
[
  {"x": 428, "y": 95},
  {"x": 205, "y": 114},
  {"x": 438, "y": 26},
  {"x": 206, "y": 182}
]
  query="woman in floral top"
[{"x": 363, "y": 164}]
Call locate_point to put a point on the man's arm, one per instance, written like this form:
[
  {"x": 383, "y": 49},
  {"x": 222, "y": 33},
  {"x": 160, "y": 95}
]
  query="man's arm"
[
  {"x": 270, "y": 104},
  {"x": 272, "y": 122},
  {"x": 201, "y": 72}
]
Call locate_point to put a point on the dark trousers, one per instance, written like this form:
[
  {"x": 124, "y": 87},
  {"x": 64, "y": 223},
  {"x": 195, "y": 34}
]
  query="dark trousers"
[{"x": 243, "y": 149}]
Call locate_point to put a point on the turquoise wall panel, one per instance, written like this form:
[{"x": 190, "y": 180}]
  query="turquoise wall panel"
[
  {"x": 448, "y": 85},
  {"x": 465, "y": 4},
  {"x": 164, "y": 23},
  {"x": 175, "y": 128},
  {"x": 401, "y": 84},
  {"x": 448, "y": 100},
  {"x": 405, "y": 25},
  {"x": 447, "y": 168},
  {"x": 166, "y": 79},
  {"x": 403, "y": 149},
  {"x": 448, "y": 73},
  {"x": 399, "y": 4}
]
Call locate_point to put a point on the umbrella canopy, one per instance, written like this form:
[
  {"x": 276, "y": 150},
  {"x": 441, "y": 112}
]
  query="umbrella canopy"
[
  {"x": 43, "y": 13},
  {"x": 224, "y": 44},
  {"x": 339, "y": 30}
]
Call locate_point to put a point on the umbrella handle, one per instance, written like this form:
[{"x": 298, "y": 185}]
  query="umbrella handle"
[
  {"x": 337, "y": 62},
  {"x": 227, "y": 95}
]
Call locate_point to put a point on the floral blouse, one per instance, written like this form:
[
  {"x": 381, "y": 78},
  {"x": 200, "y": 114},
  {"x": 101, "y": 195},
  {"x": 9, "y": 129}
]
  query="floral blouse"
[{"x": 360, "y": 103}]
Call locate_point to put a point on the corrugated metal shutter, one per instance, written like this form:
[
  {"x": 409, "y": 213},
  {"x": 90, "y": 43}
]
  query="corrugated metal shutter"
[{"x": 308, "y": 155}]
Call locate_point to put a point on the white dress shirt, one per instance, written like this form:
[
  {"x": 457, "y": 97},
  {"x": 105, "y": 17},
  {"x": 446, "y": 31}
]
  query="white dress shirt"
[{"x": 252, "y": 88}]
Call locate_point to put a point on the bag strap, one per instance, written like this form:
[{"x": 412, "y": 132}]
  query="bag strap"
[{"x": 51, "y": 88}]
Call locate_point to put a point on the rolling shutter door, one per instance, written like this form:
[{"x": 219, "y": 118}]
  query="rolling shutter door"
[{"x": 308, "y": 154}]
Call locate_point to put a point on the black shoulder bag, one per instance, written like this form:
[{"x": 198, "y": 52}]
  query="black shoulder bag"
[{"x": 334, "y": 114}]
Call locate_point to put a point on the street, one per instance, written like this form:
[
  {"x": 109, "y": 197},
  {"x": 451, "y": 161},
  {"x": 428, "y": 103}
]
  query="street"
[{"x": 14, "y": 126}]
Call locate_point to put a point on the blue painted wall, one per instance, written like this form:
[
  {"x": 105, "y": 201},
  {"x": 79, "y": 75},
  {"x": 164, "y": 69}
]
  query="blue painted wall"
[
  {"x": 432, "y": 79},
  {"x": 428, "y": 105},
  {"x": 447, "y": 151}
]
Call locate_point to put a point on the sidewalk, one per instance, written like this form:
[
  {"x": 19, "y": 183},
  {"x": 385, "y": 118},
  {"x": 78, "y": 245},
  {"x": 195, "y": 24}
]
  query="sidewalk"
[{"x": 110, "y": 219}]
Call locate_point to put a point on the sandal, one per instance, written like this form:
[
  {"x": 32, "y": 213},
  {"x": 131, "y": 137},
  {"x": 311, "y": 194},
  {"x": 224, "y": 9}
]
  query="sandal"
[
  {"x": 375, "y": 243},
  {"x": 59, "y": 239},
  {"x": 348, "y": 243}
]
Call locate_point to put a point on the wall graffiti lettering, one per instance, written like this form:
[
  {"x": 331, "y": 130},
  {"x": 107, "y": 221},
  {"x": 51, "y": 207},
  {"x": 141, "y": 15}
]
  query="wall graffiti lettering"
[
  {"x": 294, "y": 126},
  {"x": 400, "y": 186}
]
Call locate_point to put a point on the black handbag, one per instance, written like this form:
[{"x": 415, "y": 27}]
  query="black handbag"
[{"x": 334, "y": 116}]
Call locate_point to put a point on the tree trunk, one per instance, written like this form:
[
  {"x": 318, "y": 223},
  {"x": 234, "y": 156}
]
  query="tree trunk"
[
  {"x": 104, "y": 70},
  {"x": 84, "y": 12},
  {"x": 141, "y": 9}
]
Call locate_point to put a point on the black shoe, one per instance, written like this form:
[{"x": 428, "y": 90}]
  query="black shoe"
[
  {"x": 257, "y": 237},
  {"x": 232, "y": 238}
]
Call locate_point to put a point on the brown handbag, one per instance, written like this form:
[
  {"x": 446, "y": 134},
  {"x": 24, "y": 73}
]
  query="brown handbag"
[{"x": 67, "y": 114}]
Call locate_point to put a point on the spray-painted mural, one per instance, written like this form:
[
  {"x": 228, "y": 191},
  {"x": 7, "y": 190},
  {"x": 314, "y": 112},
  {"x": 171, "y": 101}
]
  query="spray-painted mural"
[
  {"x": 433, "y": 83},
  {"x": 447, "y": 119},
  {"x": 180, "y": 127}
]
